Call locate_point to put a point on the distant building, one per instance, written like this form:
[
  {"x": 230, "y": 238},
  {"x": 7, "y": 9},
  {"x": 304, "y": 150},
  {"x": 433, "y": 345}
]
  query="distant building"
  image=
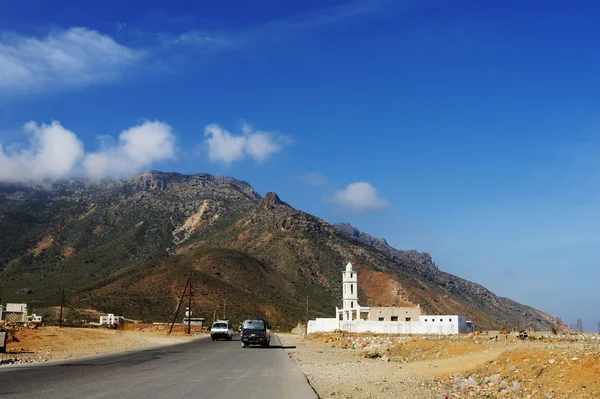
[
  {"x": 111, "y": 319},
  {"x": 15, "y": 312},
  {"x": 34, "y": 318},
  {"x": 196, "y": 321},
  {"x": 386, "y": 320}
]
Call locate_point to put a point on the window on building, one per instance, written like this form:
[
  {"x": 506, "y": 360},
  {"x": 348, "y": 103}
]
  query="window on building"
[
  {"x": 381, "y": 319},
  {"x": 394, "y": 318},
  {"x": 351, "y": 275},
  {"x": 425, "y": 319},
  {"x": 441, "y": 320},
  {"x": 450, "y": 320},
  {"x": 352, "y": 288},
  {"x": 351, "y": 304},
  {"x": 408, "y": 319}
]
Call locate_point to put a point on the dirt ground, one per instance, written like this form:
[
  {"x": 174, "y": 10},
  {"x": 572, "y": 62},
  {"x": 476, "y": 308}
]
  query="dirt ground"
[
  {"x": 369, "y": 366},
  {"x": 52, "y": 343}
]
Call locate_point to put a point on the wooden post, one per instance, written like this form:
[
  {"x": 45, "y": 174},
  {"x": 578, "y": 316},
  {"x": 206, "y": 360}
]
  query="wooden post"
[
  {"x": 306, "y": 315},
  {"x": 190, "y": 307},
  {"x": 62, "y": 302},
  {"x": 179, "y": 305}
]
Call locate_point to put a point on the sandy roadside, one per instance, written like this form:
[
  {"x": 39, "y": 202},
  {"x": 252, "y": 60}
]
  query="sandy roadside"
[
  {"x": 53, "y": 343},
  {"x": 448, "y": 368}
]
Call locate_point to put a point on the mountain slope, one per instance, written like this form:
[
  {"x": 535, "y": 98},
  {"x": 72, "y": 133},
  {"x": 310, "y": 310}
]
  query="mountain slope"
[{"x": 127, "y": 246}]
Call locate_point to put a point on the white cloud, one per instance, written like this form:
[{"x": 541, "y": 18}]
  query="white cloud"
[
  {"x": 53, "y": 152},
  {"x": 227, "y": 148},
  {"x": 222, "y": 146},
  {"x": 261, "y": 145},
  {"x": 137, "y": 148},
  {"x": 279, "y": 29},
  {"x": 72, "y": 57},
  {"x": 361, "y": 197}
]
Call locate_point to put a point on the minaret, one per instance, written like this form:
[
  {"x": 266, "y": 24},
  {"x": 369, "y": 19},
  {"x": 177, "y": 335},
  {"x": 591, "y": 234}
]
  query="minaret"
[{"x": 350, "y": 287}]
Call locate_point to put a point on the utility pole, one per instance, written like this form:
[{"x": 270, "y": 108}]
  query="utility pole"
[
  {"x": 307, "y": 314},
  {"x": 215, "y": 313},
  {"x": 179, "y": 305},
  {"x": 62, "y": 303},
  {"x": 190, "y": 307}
]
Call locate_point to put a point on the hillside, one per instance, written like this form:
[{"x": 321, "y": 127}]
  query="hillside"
[{"x": 127, "y": 246}]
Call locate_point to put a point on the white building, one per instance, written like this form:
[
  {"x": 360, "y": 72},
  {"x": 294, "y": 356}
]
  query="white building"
[
  {"x": 15, "y": 312},
  {"x": 197, "y": 321},
  {"x": 111, "y": 319},
  {"x": 386, "y": 320},
  {"x": 34, "y": 318}
]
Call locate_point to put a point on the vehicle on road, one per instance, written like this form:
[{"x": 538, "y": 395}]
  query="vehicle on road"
[
  {"x": 256, "y": 332},
  {"x": 221, "y": 329}
]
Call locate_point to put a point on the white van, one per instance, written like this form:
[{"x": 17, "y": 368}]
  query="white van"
[{"x": 221, "y": 329}]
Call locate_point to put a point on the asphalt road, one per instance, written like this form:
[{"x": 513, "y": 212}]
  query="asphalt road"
[{"x": 198, "y": 369}]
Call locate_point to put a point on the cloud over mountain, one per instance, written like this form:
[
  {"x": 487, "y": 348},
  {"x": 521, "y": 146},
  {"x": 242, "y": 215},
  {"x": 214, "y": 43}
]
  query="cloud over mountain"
[
  {"x": 52, "y": 152},
  {"x": 137, "y": 148}
]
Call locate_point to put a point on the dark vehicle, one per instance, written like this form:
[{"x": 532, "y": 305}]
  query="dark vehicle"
[{"x": 256, "y": 332}]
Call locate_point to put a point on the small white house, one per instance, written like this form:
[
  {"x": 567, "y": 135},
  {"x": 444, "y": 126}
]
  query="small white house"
[
  {"x": 34, "y": 318},
  {"x": 111, "y": 319}
]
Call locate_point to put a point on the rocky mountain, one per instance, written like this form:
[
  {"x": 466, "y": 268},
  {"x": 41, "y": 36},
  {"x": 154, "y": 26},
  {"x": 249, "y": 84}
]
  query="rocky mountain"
[
  {"x": 127, "y": 247},
  {"x": 422, "y": 259}
]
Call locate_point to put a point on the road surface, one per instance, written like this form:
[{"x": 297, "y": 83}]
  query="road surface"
[{"x": 198, "y": 369}]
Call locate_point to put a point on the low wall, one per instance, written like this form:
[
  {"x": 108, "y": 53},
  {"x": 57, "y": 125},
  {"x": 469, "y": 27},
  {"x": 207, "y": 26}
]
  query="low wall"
[
  {"x": 439, "y": 325},
  {"x": 322, "y": 325},
  {"x": 399, "y": 327},
  {"x": 177, "y": 327}
]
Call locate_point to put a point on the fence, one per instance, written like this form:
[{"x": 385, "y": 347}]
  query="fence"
[{"x": 126, "y": 327}]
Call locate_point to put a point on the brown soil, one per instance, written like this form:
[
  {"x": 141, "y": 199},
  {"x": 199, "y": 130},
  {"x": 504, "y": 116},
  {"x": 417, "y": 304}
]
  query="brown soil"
[
  {"x": 371, "y": 366},
  {"x": 382, "y": 289},
  {"x": 98, "y": 230},
  {"x": 245, "y": 235},
  {"x": 67, "y": 252},
  {"x": 51, "y": 343},
  {"x": 43, "y": 244}
]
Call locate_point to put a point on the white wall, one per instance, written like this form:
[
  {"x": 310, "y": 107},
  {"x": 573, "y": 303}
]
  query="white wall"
[
  {"x": 322, "y": 325},
  {"x": 442, "y": 325},
  {"x": 16, "y": 307}
]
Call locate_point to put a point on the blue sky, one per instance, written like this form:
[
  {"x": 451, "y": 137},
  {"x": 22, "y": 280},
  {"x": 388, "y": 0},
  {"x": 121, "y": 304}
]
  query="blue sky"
[{"x": 465, "y": 129}]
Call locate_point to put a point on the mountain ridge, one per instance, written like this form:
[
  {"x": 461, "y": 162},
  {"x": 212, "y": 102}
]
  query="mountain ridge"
[{"x": 257, "y": 253}]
